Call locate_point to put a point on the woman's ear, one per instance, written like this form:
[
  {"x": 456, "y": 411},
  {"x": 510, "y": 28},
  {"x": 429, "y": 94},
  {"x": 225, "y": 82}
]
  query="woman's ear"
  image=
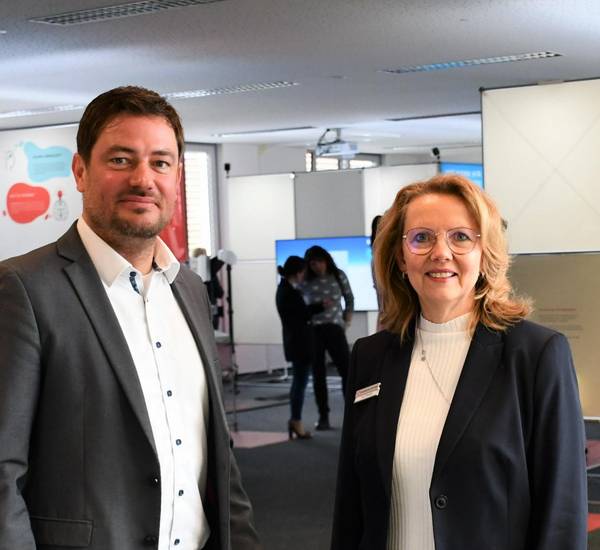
[{"x": 400, "y": 261}]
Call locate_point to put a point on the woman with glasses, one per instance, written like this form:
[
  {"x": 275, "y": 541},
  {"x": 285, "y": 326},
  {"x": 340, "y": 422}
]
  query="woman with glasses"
[{"x": 462, "y": 427}]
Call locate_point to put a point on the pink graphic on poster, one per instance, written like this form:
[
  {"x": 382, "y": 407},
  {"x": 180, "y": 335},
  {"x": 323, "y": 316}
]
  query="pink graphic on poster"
[{"x": 25, "y": 202}]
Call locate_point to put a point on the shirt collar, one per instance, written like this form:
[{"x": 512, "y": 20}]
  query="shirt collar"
[{"x": 110, "y": 264}]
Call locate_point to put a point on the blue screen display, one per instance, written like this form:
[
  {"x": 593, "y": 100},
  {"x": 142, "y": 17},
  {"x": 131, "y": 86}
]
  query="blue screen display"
[
  {"x": 472, "y": 171},
  {"x": 351, "y": 254}
]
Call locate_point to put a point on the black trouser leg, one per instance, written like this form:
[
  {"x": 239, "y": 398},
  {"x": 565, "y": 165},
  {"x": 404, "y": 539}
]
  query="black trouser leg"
[
  {"x": 319, "y": 372},
  {"x": 337, "y": 346}
]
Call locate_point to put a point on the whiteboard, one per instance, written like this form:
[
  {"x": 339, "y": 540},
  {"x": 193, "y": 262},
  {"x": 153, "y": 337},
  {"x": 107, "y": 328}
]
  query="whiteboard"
[
  {"x": 541, "y": 164},
  {"x": 566, "y": 293}
]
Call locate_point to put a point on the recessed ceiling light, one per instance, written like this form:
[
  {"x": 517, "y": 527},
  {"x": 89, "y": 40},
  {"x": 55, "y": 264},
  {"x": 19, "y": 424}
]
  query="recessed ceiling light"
[
  {"x": 470, "y": 63},
  {"x": 117, "y": 11},
  {"x": 171, "y": 95},
  {"x": 41, "y": 111},
  {"x": 2, "y": 31},
  {"x": 250, "y": 132},
  {"x": 230, "y": 90}
]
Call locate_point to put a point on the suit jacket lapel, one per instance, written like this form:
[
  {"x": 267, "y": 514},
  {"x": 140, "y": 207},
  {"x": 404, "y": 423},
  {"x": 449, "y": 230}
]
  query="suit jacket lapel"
[
  {"x": 394, "y": 372},
  {"x": 194, "y": 312},
  {"x": 480, "y": 365},
  {"x": 88, "y": 286}
]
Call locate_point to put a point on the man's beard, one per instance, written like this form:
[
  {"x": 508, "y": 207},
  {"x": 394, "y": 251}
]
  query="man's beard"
[
  {"x": 118, "y": 226},
  {"x": 137, "y": 231}
]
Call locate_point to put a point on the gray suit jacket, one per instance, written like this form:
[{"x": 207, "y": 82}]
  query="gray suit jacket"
[{"x": 78, "y": 465}]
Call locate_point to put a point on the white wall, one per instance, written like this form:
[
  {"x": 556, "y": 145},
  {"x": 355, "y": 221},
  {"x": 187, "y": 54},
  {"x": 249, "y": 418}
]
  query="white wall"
[{"x": 264, "y": 208}]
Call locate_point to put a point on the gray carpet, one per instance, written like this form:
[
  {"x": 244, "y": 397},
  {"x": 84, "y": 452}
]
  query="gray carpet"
[{"x": 292, "y": 484}]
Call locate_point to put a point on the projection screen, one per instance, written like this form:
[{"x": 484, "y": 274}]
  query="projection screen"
[{"x": 541, "y": 164}]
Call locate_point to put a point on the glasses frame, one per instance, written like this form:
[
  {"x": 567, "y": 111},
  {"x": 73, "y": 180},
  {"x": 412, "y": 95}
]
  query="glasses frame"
[{"x": 436, "y": 235}]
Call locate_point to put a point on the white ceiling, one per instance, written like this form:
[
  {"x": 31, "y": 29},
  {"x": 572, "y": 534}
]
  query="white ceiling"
[{"x": 334, "y": 49}]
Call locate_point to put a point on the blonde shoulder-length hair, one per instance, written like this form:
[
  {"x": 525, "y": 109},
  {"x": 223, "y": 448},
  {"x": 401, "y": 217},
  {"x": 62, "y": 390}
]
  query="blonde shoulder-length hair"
[{"x": 495, "y": 305}]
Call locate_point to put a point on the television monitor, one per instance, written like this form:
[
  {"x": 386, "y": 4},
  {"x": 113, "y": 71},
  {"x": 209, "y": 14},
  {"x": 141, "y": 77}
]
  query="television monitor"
[
  {"x": 351, "y": 254},
  {"x": 472, "y": 171}
]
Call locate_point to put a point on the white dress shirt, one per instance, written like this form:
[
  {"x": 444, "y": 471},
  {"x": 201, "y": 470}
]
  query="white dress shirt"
[{"x": 172, "y": 380}]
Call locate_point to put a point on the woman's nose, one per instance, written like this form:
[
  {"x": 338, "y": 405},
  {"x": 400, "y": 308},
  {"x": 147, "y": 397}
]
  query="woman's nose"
[{"x": 441, "y": 250}]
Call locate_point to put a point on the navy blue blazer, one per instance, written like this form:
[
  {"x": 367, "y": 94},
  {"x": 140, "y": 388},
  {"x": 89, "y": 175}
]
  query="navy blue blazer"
[{"x": 509, "y": 472}]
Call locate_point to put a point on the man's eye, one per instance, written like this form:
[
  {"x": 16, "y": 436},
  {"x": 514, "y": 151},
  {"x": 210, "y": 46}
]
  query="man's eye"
[
  {"x": 119, "y": 161},
  {"x": 162, "y": 164}
]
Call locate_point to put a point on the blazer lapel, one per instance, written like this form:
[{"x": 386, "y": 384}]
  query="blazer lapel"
[
  {"x": 394, "y": 372},
  {"x": 88, "y": 286},
  {"x": 198, "y": 322},
  {"x": 480, "y": 365},
  {"x": 193, "y": 310}
]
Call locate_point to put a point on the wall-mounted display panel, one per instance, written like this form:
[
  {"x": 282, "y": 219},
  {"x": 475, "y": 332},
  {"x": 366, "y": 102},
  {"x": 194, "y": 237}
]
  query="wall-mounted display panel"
[
  {"x": 472, "y": 171},
  {"x": 564, "y": 288},
  {"x": 351, "y": 254}
]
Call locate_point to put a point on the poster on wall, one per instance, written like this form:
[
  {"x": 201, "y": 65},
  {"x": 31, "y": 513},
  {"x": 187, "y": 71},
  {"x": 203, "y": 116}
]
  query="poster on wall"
[{"x": 38, "y": 196}]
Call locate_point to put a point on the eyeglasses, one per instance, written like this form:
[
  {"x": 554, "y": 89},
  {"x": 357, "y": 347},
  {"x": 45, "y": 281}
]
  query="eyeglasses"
[{"x": 460, "y": 240}]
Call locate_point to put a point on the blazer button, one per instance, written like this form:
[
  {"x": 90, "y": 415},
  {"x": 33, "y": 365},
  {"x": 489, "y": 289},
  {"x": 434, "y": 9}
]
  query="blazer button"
[
  {"x": 441, "y": 502},
  {"x": 150, "y": 540},
  {"x": 154, "y": 481}
]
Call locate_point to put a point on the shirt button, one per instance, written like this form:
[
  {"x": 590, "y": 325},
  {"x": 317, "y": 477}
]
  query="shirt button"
[
  {"x": 169, "y": 393},
  {"x": 176, "y": 541},
  {"x": 180, "y": 492},
  {"x": 178, "y": 441},
  {"x": 158, "y": 345},
  {"x": 441, "y": 502}
]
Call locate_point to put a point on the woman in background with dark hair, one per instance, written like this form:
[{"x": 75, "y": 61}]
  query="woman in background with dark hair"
[
  {"x": 297, "y": 336},
  {"x": 325, "y": 281}
]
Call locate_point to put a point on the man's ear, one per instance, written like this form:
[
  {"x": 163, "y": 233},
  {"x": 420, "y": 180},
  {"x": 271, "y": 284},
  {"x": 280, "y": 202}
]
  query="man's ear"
[{"x": 79, "y": 172}]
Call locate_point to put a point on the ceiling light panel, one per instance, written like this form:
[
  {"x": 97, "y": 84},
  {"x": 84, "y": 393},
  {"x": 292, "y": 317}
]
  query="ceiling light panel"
[
  {"x": 270, "y": 131},
  {"x": 41, "y": 111},
  {"x": 261, "y": 86},
  {"x": 471, "y": 63},
  {"x": 117, "y": 11}
]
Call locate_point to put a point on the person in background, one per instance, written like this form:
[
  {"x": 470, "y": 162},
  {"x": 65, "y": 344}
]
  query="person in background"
[
  {"x": 325, "y": 281},
  {"x": 374, "y": 225},
  {"x": 463, "y": 427},
  {"x": 297, "y": 336},
  {"x": 113, "y": 434}
]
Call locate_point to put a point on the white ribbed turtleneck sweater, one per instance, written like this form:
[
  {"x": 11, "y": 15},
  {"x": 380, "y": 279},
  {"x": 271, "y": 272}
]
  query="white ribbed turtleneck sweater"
[{"x": 429, "y": 390}]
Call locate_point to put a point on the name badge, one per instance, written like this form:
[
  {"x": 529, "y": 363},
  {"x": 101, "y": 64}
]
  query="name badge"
[{"x": 367, "y": 393}]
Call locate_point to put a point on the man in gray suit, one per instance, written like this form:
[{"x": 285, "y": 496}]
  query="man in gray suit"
[{"x": 112, "y": 429}]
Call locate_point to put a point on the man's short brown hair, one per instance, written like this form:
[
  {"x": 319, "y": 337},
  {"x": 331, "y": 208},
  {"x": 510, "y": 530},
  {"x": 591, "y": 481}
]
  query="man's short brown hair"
[{"x": 125, "y": 100}]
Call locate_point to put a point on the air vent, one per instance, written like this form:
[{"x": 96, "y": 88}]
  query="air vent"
[
  {"x": 470, "y": 63},
  {"x": 117, "y": 11},
  {"x": 230, "y": 90},
  {"x": 41, "y": 111},
  {"x": 270, "y": 131}
]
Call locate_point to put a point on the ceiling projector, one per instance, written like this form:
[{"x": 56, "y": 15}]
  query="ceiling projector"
[{"x": 336, "y": 148}]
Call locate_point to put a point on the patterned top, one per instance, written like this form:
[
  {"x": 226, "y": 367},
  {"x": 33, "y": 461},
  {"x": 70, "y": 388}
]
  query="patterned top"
[{"x": 327, "y": 287}]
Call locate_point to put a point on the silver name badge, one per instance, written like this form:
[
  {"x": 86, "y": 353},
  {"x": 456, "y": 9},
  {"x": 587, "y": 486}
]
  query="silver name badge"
[{"x": 367, "y": 393}]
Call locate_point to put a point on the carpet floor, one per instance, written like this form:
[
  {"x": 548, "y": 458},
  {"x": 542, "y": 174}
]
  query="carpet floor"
[{"x": 291, "y": 484}]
